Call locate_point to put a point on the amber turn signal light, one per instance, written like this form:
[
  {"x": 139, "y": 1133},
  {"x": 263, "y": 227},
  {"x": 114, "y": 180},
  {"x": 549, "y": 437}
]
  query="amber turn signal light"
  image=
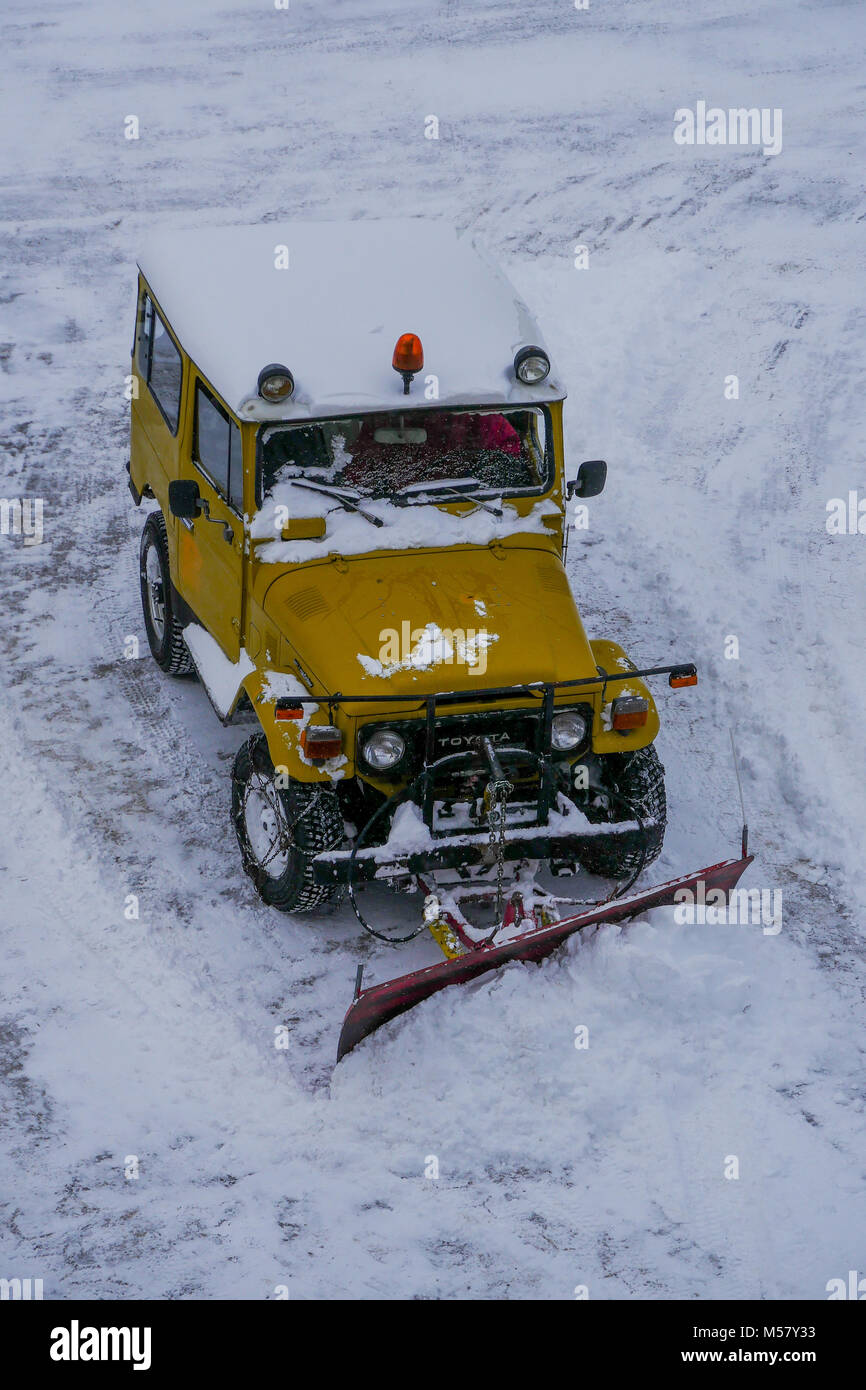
[
  {"x": 321, "y": 741},
  {"x": 629, "y": 712},
  {"x": 288, "y": 712},
  {"x": 683, "y": 675}
]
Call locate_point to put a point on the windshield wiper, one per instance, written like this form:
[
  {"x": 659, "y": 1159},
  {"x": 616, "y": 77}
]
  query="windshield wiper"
[
  {"x": 458, "y": 493},
  {"x": 339, "y": 497}
]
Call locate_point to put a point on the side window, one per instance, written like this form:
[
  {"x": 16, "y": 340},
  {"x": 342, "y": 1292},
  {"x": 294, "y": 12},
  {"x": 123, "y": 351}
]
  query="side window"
[
  {"x": 145, "y": 335},
  {"x": 211, "y": 444},
  {"x": 217, "y": 448},
  {"x": 166, "y": 370}
]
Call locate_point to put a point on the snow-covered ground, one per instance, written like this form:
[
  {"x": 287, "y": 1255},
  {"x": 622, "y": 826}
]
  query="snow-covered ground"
[{"x": 154, "y": 1037}]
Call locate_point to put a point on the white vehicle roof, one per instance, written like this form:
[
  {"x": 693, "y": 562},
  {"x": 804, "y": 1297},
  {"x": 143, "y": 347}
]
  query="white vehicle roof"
[{"x": 334, "y": 316}]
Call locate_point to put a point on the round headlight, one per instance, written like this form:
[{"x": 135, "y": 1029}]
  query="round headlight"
[
  {"x": 531, "y": 365},
  {"x": 275, "y": 383},
  {"x": 383, "y": 749},
  {"x": 567, "y": 731}
]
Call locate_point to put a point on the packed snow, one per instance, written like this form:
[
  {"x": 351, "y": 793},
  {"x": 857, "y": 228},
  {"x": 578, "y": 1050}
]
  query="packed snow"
[{"x": 174, "y": 1126}]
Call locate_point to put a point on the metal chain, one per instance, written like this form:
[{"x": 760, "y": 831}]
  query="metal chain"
[
  {"x": 497, "y": 795},
  {"x": 284, "y": 839}
]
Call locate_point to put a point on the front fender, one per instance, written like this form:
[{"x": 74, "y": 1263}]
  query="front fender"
[
  {"x": 264, "y": 688},
  {"x": 611, "y": 657}
]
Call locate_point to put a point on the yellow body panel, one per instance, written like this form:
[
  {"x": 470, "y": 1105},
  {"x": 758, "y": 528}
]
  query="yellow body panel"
[
  {"x": 207, "y": 570},
  {"x": 315, "y": 620},
  {"x": 519, "y": 600}
]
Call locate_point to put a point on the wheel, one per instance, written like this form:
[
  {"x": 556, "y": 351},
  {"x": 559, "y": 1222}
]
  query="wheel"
[
  {"x": 632, "y": 780},
  {"x": 164, "y": 632},
  {"x": 281, "y": 828}
]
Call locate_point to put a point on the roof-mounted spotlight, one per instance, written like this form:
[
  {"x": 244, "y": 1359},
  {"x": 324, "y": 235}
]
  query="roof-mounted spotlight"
[
  {"x": 275, "y": 383},
  {"x": 531, "y": 365},
  {"x": 408, "y": 358}
]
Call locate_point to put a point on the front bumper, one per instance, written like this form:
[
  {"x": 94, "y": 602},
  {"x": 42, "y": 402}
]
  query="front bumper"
[
  {"x": 552, "y": 836},
  {"x": 459, "y": 851}
]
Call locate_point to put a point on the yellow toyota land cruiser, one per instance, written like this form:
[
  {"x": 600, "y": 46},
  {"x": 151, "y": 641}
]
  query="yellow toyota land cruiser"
[{"x": 353, "y": 436}]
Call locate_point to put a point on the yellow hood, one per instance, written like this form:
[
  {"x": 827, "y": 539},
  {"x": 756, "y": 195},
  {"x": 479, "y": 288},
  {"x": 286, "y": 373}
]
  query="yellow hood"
[{"x": 432, "y": 621}]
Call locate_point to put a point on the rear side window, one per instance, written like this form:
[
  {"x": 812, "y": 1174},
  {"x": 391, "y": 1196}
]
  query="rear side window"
[
  {"x": 217, "y": 448},
  {"x": 160, "y": 364},
  {"x": 145, "y": 335}
]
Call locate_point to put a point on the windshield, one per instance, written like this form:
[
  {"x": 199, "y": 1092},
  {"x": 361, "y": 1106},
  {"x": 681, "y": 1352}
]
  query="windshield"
[{"x": 415, "y": 454}]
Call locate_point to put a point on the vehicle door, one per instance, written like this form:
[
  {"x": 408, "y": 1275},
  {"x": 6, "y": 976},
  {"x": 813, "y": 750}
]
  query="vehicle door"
[{"x": 210, "y": 548}]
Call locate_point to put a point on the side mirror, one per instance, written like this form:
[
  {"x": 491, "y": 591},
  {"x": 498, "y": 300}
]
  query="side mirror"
[
  {"x": 590, "y": 480},
  {"x": 184, "y": 499}
]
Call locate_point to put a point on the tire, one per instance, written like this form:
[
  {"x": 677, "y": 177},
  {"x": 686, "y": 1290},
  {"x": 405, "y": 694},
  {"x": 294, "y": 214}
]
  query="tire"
[
  {"x": 164, "y": 632},
  {"x": 281, "y": 829},
  {"x": 635, "y": 780}
]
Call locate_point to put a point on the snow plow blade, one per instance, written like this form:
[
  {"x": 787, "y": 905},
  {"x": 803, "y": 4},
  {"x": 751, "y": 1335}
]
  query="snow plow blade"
[{"x": 377, "y": 1005}]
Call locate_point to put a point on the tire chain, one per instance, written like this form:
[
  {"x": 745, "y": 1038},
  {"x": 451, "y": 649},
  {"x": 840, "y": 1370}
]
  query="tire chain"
[{"x": 284, "y": 839}]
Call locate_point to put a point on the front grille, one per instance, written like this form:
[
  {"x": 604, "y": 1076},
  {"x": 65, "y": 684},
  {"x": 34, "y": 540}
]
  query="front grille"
[{"x": 455, "y": 733}]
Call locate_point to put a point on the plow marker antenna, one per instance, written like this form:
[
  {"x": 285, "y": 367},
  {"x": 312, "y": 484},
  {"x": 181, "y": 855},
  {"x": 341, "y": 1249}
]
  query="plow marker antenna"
[{"x": 742, "y": 801}]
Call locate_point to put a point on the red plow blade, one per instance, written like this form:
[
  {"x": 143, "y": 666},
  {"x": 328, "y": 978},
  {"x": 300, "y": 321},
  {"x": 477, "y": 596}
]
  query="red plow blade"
[{"x": 377, "y": 1005}]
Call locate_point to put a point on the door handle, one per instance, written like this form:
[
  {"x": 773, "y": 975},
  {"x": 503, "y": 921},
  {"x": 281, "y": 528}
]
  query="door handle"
[{"x": 228, "y": 533}]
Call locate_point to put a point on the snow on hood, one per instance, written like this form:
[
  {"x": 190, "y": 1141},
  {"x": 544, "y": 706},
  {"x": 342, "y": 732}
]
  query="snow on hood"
[
  {"x": 367, "y": 605},
  {"x": 434, "y": 647}
]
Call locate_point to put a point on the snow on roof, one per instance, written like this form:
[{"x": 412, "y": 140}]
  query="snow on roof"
[{"x": 334, "y": 315}]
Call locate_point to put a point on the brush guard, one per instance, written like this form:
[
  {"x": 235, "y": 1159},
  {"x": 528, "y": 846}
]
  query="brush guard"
[{"x": 539, "y": 841}]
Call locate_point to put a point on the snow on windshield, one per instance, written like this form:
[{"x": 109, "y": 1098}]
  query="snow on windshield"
[{"x": 392, "y": 454}]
